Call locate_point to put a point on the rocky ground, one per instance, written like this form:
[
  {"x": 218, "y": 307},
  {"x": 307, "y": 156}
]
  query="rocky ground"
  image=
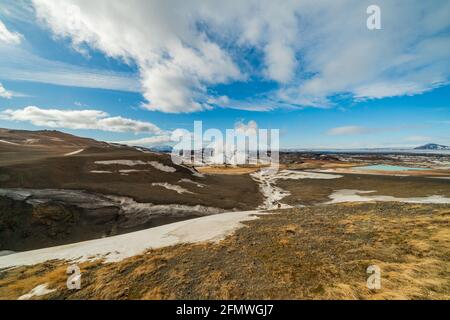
[{"x": 108, "y": 189}]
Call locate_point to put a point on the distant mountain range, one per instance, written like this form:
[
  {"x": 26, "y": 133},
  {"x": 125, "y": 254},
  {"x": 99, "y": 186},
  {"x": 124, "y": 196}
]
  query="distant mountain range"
[
  {"x": 164, "y": 149},
  {"x": 432, "y": 146}
]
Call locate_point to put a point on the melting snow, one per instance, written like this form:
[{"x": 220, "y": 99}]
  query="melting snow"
[
  {"x": 347, "y": 195},
  {"x": 130, "y": 171},
  {"x": 161, "y": 166},
  {"x": 295, "y": 175},
  {"x": 172, "y": 187},
  {"x": 15, "y": 144},
  {"x": 272, "y": 194},
  {"x": 209, "y": 228},
  {"x": 199, "y": 185},
  {"x": 74, "y": 152},
  {"x": 40, "y": 290},
  {"x": 194, "y": 172},
  {"x": 122, "y": 162},
  {"x": 92, "y": 201},
  {"x": 154, "y": 164},
  {"x": 133, "y": 208},
  {"x": 5, "y": 252}
]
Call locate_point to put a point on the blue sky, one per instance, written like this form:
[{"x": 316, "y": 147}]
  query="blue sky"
[{"x": 312, "y": 70}]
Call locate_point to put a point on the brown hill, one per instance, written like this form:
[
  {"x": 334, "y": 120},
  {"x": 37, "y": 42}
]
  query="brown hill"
[{"x": 42, "y": 160}]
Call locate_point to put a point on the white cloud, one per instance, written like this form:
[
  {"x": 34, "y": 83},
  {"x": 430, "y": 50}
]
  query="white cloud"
[
  {"x": 79, "y": 104},
  {"x": 387, "y": 89},
  {"x": 9, "y": 37},
  {"x": 5, "y": 93},
  {"x": 408, "y": 56},
  {"x": 251, "y": 128},
  {"x": 148, "y": 141},
  {"x": 19, "y": 65},
  {"x": 176, "y": 61},
  {"x": 358, "y": 130},
  {"x": 350, "y": 130},
  {"x": 78, "y": 119},
  {"x": 313, "y": 49}
]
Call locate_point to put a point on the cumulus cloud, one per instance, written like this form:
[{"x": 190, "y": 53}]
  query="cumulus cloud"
[
  {"x": 78, "y": 119},
  {"x": 249, "y": 128},
  {"x": 313, "y": 49},
  {"x": 176, "y": 60},
  {"x": 9, "y": 37},
  {"x": 5, "y": 93},
  {"x": 148, "y": 141}
]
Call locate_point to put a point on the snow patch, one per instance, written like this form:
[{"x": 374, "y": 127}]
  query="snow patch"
[
  {"x": 129, "y": 163},
  {"x": 172, "y": 187},
  {"x": 8, "y": 142},
  {"x": 86, "y": 200},
  {"x": 130, "y": 171},
  {"x": 272, "y": 194},
  {"x": 199, "y": 185},
  {"x": 74, "y": 153},
  {"x": 40, "y": 290},
  {"x": 100, "y": 171},
  {"x": 140, "y": 211},
  {"x": 194, "y": 172},
  {"x": 112, "y": 249},
  {"x": 267, "y": 178},
  {"x": 296, "y": 175},
  {"x": 161, "y": 166},
  {"x": 346, "y": 195},
  {"x": 5, "y": 252}
]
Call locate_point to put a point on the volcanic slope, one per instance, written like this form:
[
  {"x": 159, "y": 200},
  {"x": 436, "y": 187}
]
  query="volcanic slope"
[{"x": 56, "y": 179}]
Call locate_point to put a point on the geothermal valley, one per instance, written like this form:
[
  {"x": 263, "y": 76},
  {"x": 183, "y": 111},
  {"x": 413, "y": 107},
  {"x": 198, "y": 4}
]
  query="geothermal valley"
[{"x": 140, "y": 227}]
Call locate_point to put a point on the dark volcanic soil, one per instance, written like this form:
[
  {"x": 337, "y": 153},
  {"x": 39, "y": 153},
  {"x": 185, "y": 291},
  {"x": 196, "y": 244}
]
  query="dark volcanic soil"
[
  {"x": 38, "y": 160},
  {"x": 44, "y": 160},
  {"x": 226, "y": 192},
  {"x": 26, "y": 227},
  {"x": 314, "y": 191}
]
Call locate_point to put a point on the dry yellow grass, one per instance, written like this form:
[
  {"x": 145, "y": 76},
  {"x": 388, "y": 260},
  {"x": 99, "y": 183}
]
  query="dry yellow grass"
[
  {"x": 231, "y": 170},
  {"x": 319, "y": 252}
]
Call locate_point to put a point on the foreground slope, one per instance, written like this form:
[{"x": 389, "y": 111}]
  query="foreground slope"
[{"x": 319, "y": 252}]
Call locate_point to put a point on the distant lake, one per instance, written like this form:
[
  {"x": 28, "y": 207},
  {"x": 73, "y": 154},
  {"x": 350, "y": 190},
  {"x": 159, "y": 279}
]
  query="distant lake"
[{"x": 383, "y": 167}]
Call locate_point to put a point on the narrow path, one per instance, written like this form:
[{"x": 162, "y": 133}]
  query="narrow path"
[{"x": 267, "y": 179}]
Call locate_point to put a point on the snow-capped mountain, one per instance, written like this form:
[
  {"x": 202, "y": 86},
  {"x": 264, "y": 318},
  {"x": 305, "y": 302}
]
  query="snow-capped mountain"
[{"x": 433, "y": 146}]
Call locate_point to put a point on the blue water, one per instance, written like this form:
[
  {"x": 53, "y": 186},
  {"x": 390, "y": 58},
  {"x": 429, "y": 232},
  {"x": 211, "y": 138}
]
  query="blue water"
[{"x": 384, "y": 167}]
